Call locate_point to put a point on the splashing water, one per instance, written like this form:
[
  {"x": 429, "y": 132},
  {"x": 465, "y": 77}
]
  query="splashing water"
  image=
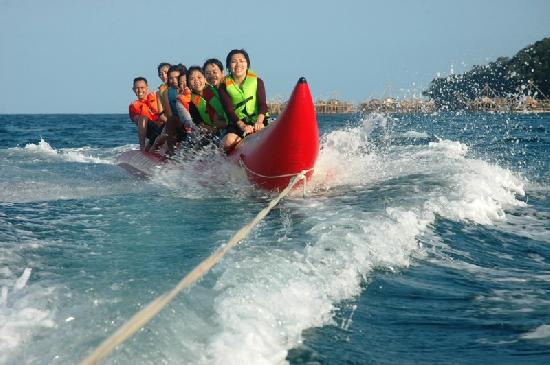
[{"x": 103, "y": 245}]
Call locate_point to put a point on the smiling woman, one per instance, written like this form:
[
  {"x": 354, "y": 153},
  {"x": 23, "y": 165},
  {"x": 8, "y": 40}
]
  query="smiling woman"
[{"x": 242, "y": 94}]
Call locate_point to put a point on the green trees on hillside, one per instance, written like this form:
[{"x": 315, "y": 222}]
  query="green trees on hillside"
[{"x": 528, "y": 72}]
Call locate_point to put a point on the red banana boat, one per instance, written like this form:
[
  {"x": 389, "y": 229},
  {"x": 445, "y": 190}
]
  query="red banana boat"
[{"x": 271, "y": 157}]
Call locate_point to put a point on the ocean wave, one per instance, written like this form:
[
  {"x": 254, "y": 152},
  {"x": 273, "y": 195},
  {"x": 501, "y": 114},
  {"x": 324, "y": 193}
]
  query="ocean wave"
[
  {"x": 370, "y": 205},
  {"x": 266, "y": 299},
  {"x": 542, "y": 333},
  {"x": 80, "y": 154},
  {"x": 22, "y": 312}
]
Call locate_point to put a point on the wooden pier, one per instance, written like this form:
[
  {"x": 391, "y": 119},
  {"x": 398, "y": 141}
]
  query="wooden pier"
[
  {"x": 334, "y": 106},
  {"x": 391, "y": 105},
  {"x": 487, "y": 101},
  {"x": 331, "y": 106}
]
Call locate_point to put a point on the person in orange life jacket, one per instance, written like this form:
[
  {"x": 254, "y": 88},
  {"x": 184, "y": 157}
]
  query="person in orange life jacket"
[
  {"x": 168, "y": 97},
  {"x": 162, "y": 70},
  {"x": 179, "y": 120},
  {"x": 183, "y": 100},
  {"x": 243, "y": 98},
  {"x": 144, "y": 113},
  {"x": 203, "y": 101},
  {"x": 213, "y": 72}
]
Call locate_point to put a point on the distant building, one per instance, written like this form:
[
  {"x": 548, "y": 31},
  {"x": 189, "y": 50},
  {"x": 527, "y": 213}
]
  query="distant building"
[
  {"x": 486, "y": 101},
  {"x": 275, "y": 107},
  {"x": 391, "y": 105},
  {"x": 334, "y": 106}
]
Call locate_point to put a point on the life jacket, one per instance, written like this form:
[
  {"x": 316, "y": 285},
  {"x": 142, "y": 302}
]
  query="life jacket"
[
  {"x": 212, "y": 97},
  {"x": 244, "y": 97},
  {"x": 200, "y": 104},
  {"x": 147, "y": 107},
  {"x": 185, "y": 99},
  {"x": 162, "y": 89}
]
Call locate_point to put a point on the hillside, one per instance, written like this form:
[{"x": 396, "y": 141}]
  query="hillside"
[{"x": 526, "y": 73}]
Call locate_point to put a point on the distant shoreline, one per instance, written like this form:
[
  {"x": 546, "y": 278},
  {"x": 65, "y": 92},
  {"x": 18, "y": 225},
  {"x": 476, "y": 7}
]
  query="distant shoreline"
[{"x": 423, "y": 106}]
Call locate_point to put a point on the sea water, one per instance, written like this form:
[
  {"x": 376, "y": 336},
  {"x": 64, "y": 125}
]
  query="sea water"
[{"x": 422, "y": 239}]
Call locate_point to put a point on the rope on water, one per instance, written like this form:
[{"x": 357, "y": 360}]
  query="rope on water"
[
  {"x": 143, "y": 316},
  {"x": 304, "y": 187},
  {"x": 241, "y": 162}
]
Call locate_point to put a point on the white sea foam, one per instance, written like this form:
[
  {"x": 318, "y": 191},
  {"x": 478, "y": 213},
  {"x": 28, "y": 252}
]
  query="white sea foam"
[
  {"x": 82, "y": 154},
  {"x": 55, "y": 189},
  {"x": 540, "y": 333},
  {"x": 22, "y": 280},
  {"x": 41, "y": 146},
  {"x": 22, "y": 313},
  {"x": 29, "y": 177},
  {"x": 202, "y": 175},
  {"x": 531, "y": 224},
  {"x": 266, "y": 299},
  {"x": 415, "y": 134},
  {"x": 263, "y": 299}
]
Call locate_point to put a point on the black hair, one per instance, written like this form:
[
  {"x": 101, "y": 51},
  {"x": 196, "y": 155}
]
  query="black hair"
[
  {"x": 212, "y": 61},
  {"x": 140, "y": 78},
  {"x": 191, "y": 69},
  {"x": 179, "y": 67},
  {"x": 234, "y": 52},
  {"x": 183, "y": 69},
  {"x": 161, "y": 65}
]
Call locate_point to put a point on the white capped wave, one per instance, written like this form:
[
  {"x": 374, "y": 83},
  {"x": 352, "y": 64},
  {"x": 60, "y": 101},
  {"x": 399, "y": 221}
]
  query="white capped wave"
[
  {"x": 542, "y": 332},
  {"x": 264, "y": 299},
  {"x": 41, "y": 146},
  {"x": 81, "y": 154},
  {"x": 267, "y": 299},
  {"x": 415, "y": 134},
  {"x": 205, "y": 174},
  {"x": 22, "y": 313},
  {"x": 55, "y": 188},
  {"x": 27, "y": 177}
]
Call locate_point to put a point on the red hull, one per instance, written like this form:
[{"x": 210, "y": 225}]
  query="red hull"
[
  {"x": 291, "y": 145},
  {"x": 271, "y": 157},
  {"x": 140, "y": 163}
]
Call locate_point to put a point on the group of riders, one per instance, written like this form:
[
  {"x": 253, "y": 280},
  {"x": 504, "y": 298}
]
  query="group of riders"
[{"x": 200, "y": 105}]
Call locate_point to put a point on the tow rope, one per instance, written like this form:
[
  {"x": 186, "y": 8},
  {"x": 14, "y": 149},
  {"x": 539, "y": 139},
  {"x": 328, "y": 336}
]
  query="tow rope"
[
  {"x": 243, "y": 165},
  {"x": 141, "y": 318}
]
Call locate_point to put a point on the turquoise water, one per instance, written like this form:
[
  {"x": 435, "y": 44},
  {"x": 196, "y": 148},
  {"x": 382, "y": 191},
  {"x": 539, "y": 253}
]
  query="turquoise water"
[{"x": 421, "y": 239}]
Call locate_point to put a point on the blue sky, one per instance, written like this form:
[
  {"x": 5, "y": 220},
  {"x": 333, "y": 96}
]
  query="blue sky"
[{"x": 75, "y": 56}]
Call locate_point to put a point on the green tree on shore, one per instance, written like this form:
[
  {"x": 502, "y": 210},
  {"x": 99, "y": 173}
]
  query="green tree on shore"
[{"x": 527, "y": 72}]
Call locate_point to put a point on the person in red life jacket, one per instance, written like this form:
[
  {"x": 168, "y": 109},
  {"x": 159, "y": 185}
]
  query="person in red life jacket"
[
  {"x": 213, "y": 72},
  {"x": 144, "y": 113},
  {"x": 243, "y": 97},
  {"x": 183, "y": 98},
  {"x": 204, "y": 102}
]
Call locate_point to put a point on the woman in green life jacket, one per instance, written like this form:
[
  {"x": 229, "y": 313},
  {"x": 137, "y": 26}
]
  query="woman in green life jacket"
[
  {"x": 243, "y": 97},
  {"x": 205, "y": 107}
]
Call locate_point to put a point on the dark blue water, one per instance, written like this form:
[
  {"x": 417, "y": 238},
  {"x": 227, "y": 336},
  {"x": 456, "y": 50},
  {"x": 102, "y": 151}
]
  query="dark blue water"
[{"x": 422, "y": 239}]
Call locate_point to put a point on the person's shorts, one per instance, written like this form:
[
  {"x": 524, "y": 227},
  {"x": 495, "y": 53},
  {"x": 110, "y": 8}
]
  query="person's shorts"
[
  {"x": 153, "y": 131},
  {"x": 233, "y": 128}
]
